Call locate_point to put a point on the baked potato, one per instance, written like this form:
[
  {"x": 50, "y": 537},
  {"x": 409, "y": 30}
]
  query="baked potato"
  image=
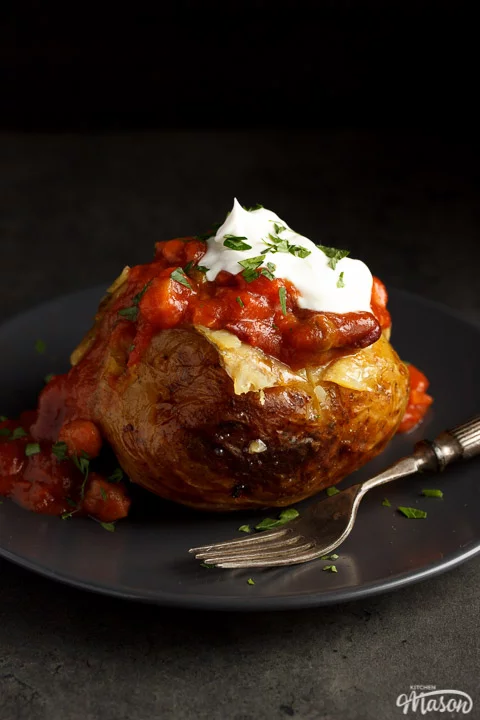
[{"x": 209, "y": 421}]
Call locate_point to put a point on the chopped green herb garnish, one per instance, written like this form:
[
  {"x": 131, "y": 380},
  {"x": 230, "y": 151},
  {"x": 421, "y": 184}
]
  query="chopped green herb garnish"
[
  {"x": 179, "y": 276},
  {"x": 48, "y": 378},
  {"x": 108, "y": 526},
  {"x": 142, "y": 292},
  {"x": 245, "y": 528},
  {"x": 18, "y": 433},
  {"x": 267, "y": 524},
  {"x": 103, "y": 494},
  {"x": 71, "y": 502},
  {"x": 334, "y": 556},
  {"x": 116, "y": 476},
  {"x": 130, "y": 313},
  {"x": 330, "y": 568},
  {"x": 278, "y": 228},
  {"x": 60, "y": 450},
  {"x": 412, "y": 513},
  {"x": 386, "y": 502},
  {"x": 334, "y": 254},
  {"x": 206, "y": 565},
  {"x": 332, "y": 491},
  {"x": 299, "y": 251},
  {"x": 188, "y": 267},
  {"x": 277, "y": 244},
  {"x": 268, "y": 271},
  {"x": 288, "y": 514},
  {"x": 5, "y": 432},
  {"x": 251, "y": 581},
  {"x": 251, "y": 265},
  {"x": 249, "y": 275},
  {"x": 40, "y": 347},
  {"x": 32, "y": 449},
  {"x": 282, "y": 294},
  {"x": 340, "y": 282},
  {"x": 68, "y": 515},
  {"x": 253, "y": 208},
  {"x": 284, "y": 517},
  {"x": 3, "y": 418},
  {"x": 83, "y": 464},
  {"x": 240, "y": 301},
  {"x": 130, "y": 348},
  {"x": 202, "y": 269},
  {"x": 433, "y": 493},
  {"x": 235, "y": 242}
]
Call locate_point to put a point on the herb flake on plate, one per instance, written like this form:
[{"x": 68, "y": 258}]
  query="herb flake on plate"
[
  {"x": 412, "y": 513},
  {"x": 284, "y": 517},
  {"x": 108, "y": 526},
  {"x": 332, "y": 491},
  {"x": 432, "y": 493}
]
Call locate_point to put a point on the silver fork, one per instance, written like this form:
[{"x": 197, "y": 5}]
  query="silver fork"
[{"x": 326, "y": 524}]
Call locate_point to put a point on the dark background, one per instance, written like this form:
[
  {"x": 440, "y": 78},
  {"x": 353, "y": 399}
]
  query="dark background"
[
  {"x": 243, "y": 64},
  {"x": 357, "y": 123}
]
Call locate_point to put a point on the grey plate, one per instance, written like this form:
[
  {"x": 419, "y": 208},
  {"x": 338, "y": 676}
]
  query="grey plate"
[{"x": 146, "y": 558}]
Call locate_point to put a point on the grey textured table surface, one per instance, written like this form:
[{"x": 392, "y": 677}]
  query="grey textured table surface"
[{"x": 75, "y": 209}]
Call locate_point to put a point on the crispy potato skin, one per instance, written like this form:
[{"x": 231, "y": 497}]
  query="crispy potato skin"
[{"x": 180, "y": 431}]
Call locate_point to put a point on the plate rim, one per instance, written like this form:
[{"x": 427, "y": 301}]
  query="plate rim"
[{"x": 254, "y": 602}]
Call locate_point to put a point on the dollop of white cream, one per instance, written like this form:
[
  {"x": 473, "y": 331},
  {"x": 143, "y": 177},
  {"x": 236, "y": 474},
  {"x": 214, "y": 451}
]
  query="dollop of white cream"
[{"x": 347, "y": 288}]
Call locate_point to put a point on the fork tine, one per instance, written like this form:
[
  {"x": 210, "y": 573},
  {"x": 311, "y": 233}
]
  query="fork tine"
[
  {"x": 260, "y": 555},
  {"x": 294, "y": 559},
  {"x": 239, "y": 551},
  {"x": 260, "y": 539}
]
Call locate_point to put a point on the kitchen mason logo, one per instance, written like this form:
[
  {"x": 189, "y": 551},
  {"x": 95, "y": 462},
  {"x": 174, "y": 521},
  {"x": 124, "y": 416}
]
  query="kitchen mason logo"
[{"x": 426, "y": 698}]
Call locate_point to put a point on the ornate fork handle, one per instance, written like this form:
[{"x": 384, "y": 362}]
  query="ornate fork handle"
[{"x": 460, "y": 443}]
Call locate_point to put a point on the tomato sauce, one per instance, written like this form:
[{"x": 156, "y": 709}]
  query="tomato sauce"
[
  {"x": 262, "y": 311},
  {"x": 48, "y": 457},
  {"x": 418, "y": 402}
]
